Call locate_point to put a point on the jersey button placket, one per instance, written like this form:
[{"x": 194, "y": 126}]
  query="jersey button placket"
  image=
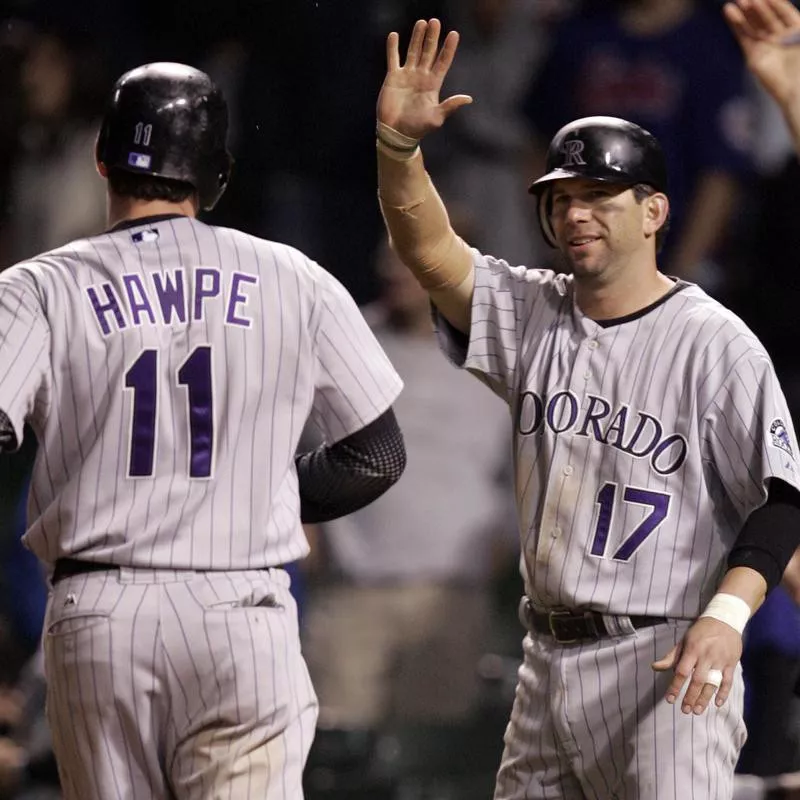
[{"x": 591, "y": 345}]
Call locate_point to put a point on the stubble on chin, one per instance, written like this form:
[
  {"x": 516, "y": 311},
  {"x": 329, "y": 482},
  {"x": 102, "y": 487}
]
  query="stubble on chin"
[{"x": 583, "y": 269}]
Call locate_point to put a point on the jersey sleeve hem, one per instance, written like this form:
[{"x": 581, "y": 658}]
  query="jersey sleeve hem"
[
  {"x": 503, "y": 300},
  {"x": 24, "y": 351},
  {"x": 391, "y": 391},
  {"x": 459, "y": 347}
]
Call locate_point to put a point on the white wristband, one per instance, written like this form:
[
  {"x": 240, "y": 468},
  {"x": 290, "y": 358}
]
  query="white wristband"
[{"x": 730, "y": 609}]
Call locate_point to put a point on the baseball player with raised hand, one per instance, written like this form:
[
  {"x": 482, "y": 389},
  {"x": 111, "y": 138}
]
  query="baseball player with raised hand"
[
  {"x": 167, "y": 368},
  {"x": 655, "y": 461},
  {"x": 769, "y": 34}
]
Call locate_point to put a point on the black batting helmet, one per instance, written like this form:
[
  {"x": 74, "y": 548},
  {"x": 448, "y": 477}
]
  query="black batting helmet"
[
  {"x": 604, "y": 149},
  {"x": 170, "y": 121}
]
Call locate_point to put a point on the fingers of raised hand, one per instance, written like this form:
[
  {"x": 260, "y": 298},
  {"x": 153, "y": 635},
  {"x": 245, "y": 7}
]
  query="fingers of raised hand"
[
  {"x": 423, "y": 48},
  {"x": 453, "y": 103},
  {"x": 765, "y": 18},
  {"x": 415, "y": 43},
  {"x": 430, "y": 44},
  {"x": 393, "y": 51},
  {"x": 446, "y": 54},
  {"x": 736, "y": 19},
  {"x": 784, "y": 12},
  {"x": 423, "y": 45}
]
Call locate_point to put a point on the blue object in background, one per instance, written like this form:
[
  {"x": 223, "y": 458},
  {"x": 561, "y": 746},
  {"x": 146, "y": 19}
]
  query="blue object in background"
[
  {"x": 298, "y": 586},
  {"x": 776, "y": 625},
  {"x": 771, "y": 668},
  {"x": 23, "y": 588}
]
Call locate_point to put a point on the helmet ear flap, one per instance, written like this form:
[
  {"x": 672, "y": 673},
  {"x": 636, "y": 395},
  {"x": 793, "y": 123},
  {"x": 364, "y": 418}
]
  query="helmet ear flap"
[
  {"x": 225, "y": 171},
  {"x": 214, "y": 188},
  {"x": 544, "y": 207}
]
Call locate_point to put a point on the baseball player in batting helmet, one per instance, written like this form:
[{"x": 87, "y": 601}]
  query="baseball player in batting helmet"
[
  {"x": 655, "y": 461},
  {"x": 605, "y": 149},
  {"x": 167, "y": 368},
  {"x": 179, "y": 121}
]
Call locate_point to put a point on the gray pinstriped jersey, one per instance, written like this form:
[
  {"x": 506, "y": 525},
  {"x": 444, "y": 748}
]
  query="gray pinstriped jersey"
[
  {"x": 168, "y": 370},
  {"x": 640, "y": 447}
]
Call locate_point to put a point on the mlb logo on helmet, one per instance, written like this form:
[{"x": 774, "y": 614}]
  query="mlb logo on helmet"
[
  {"x": 139, "y": 160},
  {"x": 572, "y": 150}
]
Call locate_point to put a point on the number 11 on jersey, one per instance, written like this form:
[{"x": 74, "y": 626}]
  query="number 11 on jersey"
[{"x": 195, "y": 374}]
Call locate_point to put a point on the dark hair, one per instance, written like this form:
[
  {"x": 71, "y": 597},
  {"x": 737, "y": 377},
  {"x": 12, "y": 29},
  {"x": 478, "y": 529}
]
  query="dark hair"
[
  {"x": 149, "y": 187},
  {"x": 641, "y": 191}
]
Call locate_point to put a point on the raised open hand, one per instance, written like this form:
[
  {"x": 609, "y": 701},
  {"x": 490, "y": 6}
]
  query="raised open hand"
[
  {"x": 409, "y": 98},
  {"x": 769, "y": 34}
]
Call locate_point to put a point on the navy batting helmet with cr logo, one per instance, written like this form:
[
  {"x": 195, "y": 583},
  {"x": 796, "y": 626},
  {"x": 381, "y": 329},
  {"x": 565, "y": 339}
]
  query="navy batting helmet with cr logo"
[
  {"x": 605, "y": 149},
  {"x": 170, "y": 121}
]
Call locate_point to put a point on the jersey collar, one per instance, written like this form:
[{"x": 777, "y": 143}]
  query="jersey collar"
[
  {"x": 133, "y": 223},
  {"x": 679, "y": 286}
]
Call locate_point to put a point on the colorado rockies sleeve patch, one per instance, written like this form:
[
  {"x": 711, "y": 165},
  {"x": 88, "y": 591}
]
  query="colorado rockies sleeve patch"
[{"x": 780, "y": 436}]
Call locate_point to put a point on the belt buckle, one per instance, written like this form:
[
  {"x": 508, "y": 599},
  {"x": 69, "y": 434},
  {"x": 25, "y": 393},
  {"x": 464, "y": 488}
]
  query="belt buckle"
[
  {"x": 587, "y": 616},
  {"x": 554, "y": 615}
]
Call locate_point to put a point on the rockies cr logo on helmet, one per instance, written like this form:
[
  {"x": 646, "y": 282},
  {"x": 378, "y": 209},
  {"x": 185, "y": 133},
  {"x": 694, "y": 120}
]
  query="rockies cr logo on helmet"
[{"x": 572, "y": 149}]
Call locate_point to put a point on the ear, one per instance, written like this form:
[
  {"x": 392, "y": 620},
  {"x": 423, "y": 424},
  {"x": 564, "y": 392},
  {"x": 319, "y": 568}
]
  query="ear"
[
  {"x": 656, "y": 211},
  {"x": 102, "y": 170}
]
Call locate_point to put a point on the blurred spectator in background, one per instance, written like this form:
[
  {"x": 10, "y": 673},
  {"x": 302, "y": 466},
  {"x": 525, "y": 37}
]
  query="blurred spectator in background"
[
  {"x": 672, "y": 67},
  {"x": 751, "y": 787},
  {"x": 309, "y": 169},
  {"x": 306, "y": 175},
  {"x": 28, "y": 769},
  {"x": 54, "y": 192},
  {"x": 398, "y": 619},
  {"x": 771, "y": 300},
  {"x": 11, "y": 111},
  {"x": 481, "y": 160}
]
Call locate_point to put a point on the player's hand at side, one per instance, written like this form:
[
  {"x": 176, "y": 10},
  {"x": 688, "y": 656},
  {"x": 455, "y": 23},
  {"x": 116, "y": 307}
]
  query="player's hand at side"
[
  {"x": 409, "y": 98},
  {"x": 768, "y": 32},
  {"x": 708, "y": 644}
]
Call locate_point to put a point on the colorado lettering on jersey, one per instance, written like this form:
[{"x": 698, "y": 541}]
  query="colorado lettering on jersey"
[
  {"x": 164, "y": 298},
  {"x": 634, "y": 432}
]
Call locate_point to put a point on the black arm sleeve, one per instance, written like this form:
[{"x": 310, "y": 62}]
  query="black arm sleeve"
[
  {"x": 8, "y": 440},
  {"x": 337, "y": 479},
  {"x": 770, "y": 534}
]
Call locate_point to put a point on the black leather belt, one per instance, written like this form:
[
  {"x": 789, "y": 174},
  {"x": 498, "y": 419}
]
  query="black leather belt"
[
  {"x": 67, "y": 567},
  {"x": 567, "y": 626}
]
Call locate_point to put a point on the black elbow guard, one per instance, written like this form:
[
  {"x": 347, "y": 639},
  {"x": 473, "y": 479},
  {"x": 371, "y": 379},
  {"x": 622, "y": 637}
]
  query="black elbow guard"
[
  {"x": 338, "y": 479},
  {"x": 768, "y": 540}
]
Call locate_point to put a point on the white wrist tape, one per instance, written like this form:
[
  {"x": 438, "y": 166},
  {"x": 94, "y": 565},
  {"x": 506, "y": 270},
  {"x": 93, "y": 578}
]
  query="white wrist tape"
[
  {"x": 394, "y": 144},
  {"x": 730, "y": 609}
]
